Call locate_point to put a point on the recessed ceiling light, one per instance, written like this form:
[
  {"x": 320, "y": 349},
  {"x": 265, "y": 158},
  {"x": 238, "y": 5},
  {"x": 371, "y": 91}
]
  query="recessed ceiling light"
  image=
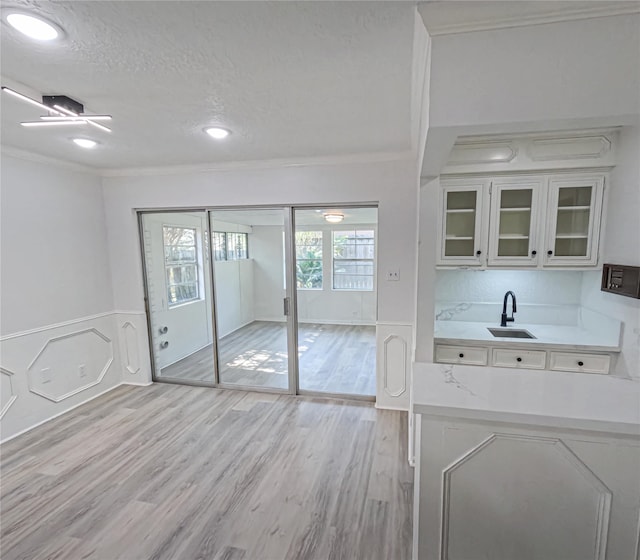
[
  {"x": 334, "y": 218},
  {"x": 33, "y": 27},
  {"x": 217, "y": 132},
  {"x": 85, "y": 142}
]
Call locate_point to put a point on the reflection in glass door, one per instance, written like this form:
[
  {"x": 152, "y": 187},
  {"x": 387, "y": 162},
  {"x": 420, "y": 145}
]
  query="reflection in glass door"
[
  {"x": 250, "y": 290},
  {"x": 177, "y": 274},
  {"x": 335, "y": 270}
]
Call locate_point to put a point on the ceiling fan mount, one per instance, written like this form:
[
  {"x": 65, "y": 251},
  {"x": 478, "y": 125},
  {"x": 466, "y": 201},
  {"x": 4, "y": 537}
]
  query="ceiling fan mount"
[{"x": 63, "y": 101}]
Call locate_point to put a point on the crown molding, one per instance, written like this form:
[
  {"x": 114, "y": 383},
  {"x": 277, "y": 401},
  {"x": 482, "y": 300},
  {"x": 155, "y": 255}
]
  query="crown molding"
[
  {"x": 554, "y": 16},
  {"x": 39, "y": 158},
  {"x": 346, "y": 159}
]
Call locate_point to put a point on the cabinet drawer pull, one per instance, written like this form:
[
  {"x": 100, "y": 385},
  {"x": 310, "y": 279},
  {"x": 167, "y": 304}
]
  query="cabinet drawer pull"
[
  {"x": 580, "y": 363},
  {"x": 518, "y": 359},
  {"x": 461, "y": 355}
]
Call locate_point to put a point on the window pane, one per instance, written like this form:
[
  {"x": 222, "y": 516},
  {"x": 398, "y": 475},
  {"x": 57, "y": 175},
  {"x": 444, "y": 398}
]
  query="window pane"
[
  {"x": 353, "y": 260},
  {"x": 309, "y": 259},
  {"x": 219, "y": 246},
  {"x": 180, "y": 252}
]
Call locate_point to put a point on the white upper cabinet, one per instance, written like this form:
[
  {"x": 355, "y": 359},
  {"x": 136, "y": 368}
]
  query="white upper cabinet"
[
  {"x": 510, "y": 222},
  {"x": 573, "y": 220},
  {"x": 513, "y": 234},
  {"x": 462, "y": 223}
]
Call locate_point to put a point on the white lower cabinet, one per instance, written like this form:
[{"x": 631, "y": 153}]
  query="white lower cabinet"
[
  {"x": 587, "y": 363},
  {"x": 505, "y": 491},
  {"x": 529, "y": 359},
  {"x": 469, "y": 355}
]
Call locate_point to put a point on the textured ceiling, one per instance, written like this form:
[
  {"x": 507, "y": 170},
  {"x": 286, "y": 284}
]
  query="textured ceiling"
[{"x": 290, "y": 79}]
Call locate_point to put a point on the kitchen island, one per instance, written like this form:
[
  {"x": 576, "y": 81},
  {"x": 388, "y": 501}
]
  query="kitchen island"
[{"x": 514, "y": 464}]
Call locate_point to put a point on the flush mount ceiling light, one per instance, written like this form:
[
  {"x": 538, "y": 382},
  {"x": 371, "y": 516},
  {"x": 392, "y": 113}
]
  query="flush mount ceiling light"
[
  {"x": 33, "y": 27},
  {"x": 334, "y": 217},
  {"x": 62, "y": 111},
  {"x": 217, "y": 132},
  {"x": 85, "y": 142}
]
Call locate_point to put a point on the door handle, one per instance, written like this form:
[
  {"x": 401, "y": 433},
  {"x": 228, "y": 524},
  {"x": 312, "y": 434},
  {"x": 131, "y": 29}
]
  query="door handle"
[{"x": 286, "y": 306}]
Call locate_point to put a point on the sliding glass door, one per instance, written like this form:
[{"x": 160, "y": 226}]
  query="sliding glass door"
[
  {"x": 250, "y": 283},
  {"x": 277, "y": 299},
  {"x": 178, "y": 288},
  {"x": 335, "y": 252}
]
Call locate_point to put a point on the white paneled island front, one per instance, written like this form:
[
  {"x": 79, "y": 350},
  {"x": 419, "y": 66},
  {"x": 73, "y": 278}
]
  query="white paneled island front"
[{"x": 526, "y": 465}]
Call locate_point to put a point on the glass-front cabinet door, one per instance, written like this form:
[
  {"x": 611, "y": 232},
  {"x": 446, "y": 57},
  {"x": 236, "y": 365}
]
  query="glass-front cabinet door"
[
  {"x": 573, "y": 219},
  {"x": 513, "y": 223},
  {"x": 462, "y": 231}
]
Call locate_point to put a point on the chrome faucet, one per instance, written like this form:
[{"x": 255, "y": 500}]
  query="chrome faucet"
[{"x": 504, "y": 319}]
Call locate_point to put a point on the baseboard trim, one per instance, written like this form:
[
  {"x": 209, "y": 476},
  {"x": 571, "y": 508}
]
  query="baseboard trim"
[
  {"x": 62, "y": 412},
  {"x": 136, "y": 384},
  {"x": 399, "y": 408}
]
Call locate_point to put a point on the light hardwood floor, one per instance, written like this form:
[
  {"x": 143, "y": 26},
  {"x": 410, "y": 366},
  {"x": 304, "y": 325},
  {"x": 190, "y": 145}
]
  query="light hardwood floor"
[
  {"x": 332, "y": 358},
  {"x": 186, "y": 473}
]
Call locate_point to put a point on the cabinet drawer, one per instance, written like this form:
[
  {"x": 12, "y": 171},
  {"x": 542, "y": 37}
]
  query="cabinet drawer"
[
  {"x": 530, "y": 359},
  {"x": 471, "y": 355},
  {"x": 587, "y": 363}
]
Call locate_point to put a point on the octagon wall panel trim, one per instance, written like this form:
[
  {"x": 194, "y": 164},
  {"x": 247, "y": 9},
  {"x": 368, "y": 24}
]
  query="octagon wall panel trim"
[
  {"x": 547, "y": 454},
  {"x": 69, "y": 364},
  {"x": 7, "y": 389}
]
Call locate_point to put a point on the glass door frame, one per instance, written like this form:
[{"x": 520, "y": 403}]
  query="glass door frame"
[
  {"x": 327, "y": 394},
  {"x": 290, "y": 302}
]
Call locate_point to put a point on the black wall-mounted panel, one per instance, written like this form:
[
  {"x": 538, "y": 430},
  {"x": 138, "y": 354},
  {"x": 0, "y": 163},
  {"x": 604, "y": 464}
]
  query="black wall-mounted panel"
[{"x": 622, "y": 280}]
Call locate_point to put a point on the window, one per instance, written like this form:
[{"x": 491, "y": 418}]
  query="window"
[
  {"x": 229, "y": 246},
  {"x": 181, "y": 264},
  {"x": 309, "y": 260},
  {"x": 353, "y": 259},
  {"x": 219, "y": 242}
]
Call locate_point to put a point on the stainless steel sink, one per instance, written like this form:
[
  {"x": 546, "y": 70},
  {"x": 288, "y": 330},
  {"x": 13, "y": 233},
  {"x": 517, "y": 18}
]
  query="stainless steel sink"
[{"x": 510, "y": 333}]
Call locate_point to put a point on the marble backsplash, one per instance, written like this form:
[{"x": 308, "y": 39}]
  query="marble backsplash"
[{"x": 541, "y": 314}]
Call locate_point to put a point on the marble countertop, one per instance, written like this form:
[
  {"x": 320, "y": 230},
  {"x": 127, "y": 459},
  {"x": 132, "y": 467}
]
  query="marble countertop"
[
  {"x": 547, "y": 336},
  {"x": 542, "y": 398}
]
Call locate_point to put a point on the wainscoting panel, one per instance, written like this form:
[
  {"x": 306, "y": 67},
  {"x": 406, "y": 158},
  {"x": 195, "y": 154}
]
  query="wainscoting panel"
[
  {"x": 48, "y": 370},
  {"x": 505, "y": 491},
  {"x": 393, "y": 364},
  {"x": 134, "y": 346}
]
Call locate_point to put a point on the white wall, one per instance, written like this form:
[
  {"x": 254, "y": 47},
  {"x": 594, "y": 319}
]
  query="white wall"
[
  {"x": 60, "y": 335},
  {"x": 55, "y": 264},
  {"x": 266, "y": 248},
  {"x": 390, "y": 184},
  {"x": 570, "y": 70},
  {"x": 621, "y": 246},
  {"x": 235, "y": 301}
]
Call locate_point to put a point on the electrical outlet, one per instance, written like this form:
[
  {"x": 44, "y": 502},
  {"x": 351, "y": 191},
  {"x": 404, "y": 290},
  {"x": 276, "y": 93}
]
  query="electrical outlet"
[
  {"x": 82, "y": 370},
  {"x": 393, "y": 275},
  {"x": 45, "y": 375}
]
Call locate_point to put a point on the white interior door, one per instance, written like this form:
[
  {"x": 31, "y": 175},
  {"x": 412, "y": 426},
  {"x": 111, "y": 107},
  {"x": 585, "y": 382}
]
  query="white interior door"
[{"x": 179, "y": 295}]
